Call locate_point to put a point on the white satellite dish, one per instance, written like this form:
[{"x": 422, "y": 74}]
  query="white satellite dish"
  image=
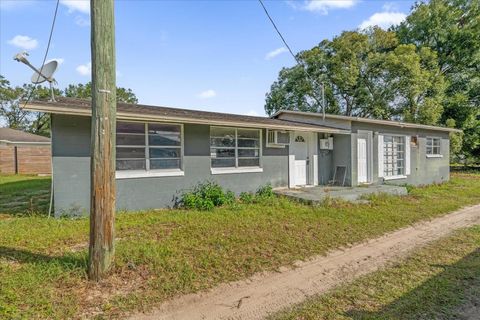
[{"x": 46, "y": 72}]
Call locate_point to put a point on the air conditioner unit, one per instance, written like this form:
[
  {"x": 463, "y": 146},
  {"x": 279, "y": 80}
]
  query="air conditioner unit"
[
  {"x": 326, "y": 144},
  {"x": 278, "y": 138}
]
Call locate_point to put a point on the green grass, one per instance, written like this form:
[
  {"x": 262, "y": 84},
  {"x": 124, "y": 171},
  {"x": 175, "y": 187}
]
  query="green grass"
[
  {"x": 21, "y": 194},
  {"x": 439, "y": 281},
  {"x": 160, "y": 254}
]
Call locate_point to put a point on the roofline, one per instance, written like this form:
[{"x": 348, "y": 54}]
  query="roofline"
[
  {"x": 27, "y": 142},
  {"x": 367, "y": 120},
  {"x": 148, "y": 117}
]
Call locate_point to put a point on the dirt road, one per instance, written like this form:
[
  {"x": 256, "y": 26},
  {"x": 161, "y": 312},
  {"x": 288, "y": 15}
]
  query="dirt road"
[{"x": 267, "y": 293}]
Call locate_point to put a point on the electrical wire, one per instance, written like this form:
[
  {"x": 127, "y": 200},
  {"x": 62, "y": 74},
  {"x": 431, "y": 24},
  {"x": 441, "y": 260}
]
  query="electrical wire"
[
  {"x": 46, "y": 53},
  {"x": 301, "y": 63}
]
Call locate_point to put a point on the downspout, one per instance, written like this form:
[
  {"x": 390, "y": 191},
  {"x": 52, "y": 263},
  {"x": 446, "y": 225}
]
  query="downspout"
[{"x": 51, "y": 167}]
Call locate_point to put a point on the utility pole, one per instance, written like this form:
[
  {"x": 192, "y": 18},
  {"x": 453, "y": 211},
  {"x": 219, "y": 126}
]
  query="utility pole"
[{"x": 102, "y": 170}]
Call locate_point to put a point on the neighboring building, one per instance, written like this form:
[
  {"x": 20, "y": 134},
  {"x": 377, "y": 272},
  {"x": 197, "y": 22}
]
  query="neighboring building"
[
  {"x": 24, "y": 153},
  {"x": 164, "y": 151}
]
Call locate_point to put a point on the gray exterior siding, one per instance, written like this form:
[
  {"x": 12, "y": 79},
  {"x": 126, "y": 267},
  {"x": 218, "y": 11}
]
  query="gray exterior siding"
[
  {"x": 71, "y": 163},
  {"x": 423, "y": 170}
]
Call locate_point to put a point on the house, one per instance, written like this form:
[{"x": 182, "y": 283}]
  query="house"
[
  {"x": 23, "y": 152},
  {"x": 162, "y": 151}
]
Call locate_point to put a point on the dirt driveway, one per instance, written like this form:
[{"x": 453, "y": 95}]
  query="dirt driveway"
[{"x": 267, "y": 293}]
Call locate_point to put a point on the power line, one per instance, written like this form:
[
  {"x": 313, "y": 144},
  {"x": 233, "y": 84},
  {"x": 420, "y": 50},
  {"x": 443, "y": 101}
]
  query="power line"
[
  {"x": 46, "y": 53},
  {"x": 301, "y": 63}
]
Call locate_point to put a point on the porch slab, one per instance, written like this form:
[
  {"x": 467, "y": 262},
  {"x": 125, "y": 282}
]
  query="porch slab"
[{"x": 316, "y": 195}]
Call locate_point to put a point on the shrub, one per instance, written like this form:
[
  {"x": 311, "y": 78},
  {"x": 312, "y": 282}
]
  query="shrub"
[
  {"x": 247, "y": 197},
  {"x": 265, "y": 192},
  {"x": 206, "y": 196}
]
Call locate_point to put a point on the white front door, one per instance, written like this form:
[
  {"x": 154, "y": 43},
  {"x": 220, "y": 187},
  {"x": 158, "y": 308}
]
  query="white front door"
[
  {"x": 362, "y": 171},
  {"x": 300, "y": 150}
]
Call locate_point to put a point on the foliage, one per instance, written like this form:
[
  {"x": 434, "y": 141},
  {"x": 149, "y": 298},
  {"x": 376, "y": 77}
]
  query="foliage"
[
  {"x": 452, "y": 29},
  {"x": 12, "y": 99},
  {"x": 84, "y": 91},
  {"x": 366, "y": 74},
  {"x": 262, "y": 194},
  {"x": 206, "y": 196}
]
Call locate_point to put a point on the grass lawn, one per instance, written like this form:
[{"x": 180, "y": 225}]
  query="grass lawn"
[
  {"x": 440, "y": 281},
  {"x": 24, "y": 194},
  {"x": 164, "y": 253}
]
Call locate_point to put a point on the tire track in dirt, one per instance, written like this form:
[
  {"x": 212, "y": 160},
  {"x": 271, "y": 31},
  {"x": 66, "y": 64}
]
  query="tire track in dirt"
[{"x": 267, "y": 293}]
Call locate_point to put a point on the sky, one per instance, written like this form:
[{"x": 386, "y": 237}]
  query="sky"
[{"x": 205, "y": 55}]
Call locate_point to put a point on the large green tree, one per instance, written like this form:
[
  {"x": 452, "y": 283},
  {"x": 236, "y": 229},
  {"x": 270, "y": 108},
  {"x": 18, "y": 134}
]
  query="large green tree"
[
  {"x": 452, "y": 29},
  {"x": 12, "y": 99},
  {"x": 366, "y": 74}
]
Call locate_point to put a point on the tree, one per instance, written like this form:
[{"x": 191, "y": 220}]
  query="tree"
[
  {"x": 84, "y": 91},
  {"x": 366, "y": 74},
  {"x": 14, "y": 116},
  {"x": 452, "y": 29}
]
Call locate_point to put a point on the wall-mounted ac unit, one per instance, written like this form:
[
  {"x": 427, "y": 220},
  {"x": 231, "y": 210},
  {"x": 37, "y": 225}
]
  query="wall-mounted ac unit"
[
  {"x": 278, "y": 138},
  {"x": 326, "y": 144}
]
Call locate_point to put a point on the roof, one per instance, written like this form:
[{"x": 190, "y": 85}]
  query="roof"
[
  {"x": 16, "y": 136},
  {"x": 139, "y": 112},
  {"x": 368, "y": 120}
]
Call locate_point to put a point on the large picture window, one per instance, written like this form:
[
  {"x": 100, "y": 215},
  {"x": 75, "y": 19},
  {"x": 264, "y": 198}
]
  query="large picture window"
[
  {"x": 234, "y": 148},
  {"x": 394, "y": 155},
  {"x": 433, "y": 146},
  {"x": 148, "y": 146}
]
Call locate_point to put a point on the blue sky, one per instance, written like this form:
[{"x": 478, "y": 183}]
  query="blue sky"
[{"x": 207, "y": 55}]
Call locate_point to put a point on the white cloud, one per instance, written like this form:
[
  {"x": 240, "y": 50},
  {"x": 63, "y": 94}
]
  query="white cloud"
[
  {"x": 323, "y": 6},
  {"x": 77, "y": 5},
  {"x": 383, "y": 19},
  {"x": 207, "y": 94},
  {"x": 82, "y": 21},
  {"x": 274, "y": 53},
  {"x": 85, "y": 69},
  {"x": 252, "y": 113},
  {"x": 24, "y": 42}
]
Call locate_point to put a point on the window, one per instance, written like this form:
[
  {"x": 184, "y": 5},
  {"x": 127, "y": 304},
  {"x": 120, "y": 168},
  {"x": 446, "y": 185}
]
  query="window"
[
  {"x": 393, "y": 155},
  {"x": 433, "y": 146},
  {"x": 148, "y": 146},
  {"x": 234, "y": 148}
]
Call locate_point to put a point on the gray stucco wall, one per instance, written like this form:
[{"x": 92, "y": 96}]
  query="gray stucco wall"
[
  {"x": 71, "y": 170},
  {"x": 423, "y": 170}
]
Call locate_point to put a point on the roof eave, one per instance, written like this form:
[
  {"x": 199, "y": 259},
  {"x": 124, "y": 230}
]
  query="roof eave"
[
  {"x": 149, "y": 117},
  {"x": 374, "y": 121}
]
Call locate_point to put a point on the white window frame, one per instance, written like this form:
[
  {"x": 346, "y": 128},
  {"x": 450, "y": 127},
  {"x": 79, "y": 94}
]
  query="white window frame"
[
  {"x": 433, "y": 155},
  {"x": 405, "y": 162},
  {"x": 237, "y": 169},
  {"x": 129, "y": 174}
]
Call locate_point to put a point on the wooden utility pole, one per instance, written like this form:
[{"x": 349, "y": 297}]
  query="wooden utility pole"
[{"x": 102, "y": 192}]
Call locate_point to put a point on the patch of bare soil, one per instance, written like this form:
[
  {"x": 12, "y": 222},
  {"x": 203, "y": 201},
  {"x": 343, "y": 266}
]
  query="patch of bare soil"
[{"x": 266, "y": 293}]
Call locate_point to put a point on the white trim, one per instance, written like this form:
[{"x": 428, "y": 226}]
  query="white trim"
[
  {"x": 235, "y": 170},
  {"x": 46, "y": 143},
  {"x": 381, "y": 167},
  {"x": 127, "y": 116},
  {"x": 407, "y": 155},
  {"x": 291, "y": 169},
  {"x": 434, "y": 155},
  {"x": 315, "y": 170},
  {"x": 368, "y": 120},
  {"x": 394, "y": 177},
  {"x": 154, "y": 172},
  {"x": 132, "y": 174}
]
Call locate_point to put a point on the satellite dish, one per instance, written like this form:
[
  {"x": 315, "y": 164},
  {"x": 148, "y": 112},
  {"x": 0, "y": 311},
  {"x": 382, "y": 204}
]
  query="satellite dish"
[{"x": 46, "y": 72}]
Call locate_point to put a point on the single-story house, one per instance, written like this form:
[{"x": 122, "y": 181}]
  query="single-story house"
[
  {"x": 163, "y": 151},
  {"x": 24, "y": 153}
]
